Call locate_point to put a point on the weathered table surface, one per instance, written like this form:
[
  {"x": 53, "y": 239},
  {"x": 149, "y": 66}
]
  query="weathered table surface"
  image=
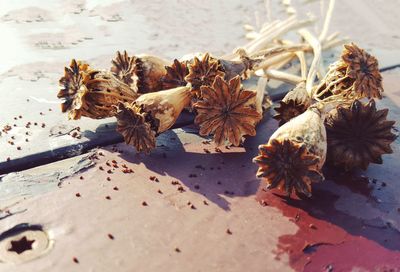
[{"x": 187, "y": 206}]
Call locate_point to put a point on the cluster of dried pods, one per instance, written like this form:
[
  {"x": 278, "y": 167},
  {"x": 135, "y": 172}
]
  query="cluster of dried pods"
[
  {"x": 328, "y": 122},
  {"x": 320, "y": 122}
]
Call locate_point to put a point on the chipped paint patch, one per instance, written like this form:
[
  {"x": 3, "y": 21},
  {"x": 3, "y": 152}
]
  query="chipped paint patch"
[{"x": 21, "y": 185}]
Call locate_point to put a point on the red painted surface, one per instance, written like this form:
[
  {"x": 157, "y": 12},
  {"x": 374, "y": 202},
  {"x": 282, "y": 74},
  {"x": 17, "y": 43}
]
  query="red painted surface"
[{"x": 328, "y": 237}]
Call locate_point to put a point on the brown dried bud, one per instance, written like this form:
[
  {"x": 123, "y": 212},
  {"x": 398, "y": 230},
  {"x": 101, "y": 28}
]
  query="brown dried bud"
[
  {"x": 355, "y": 75},
  {"x": 203, "y": 72},
  {"x": 294, "y": 155},
  {"x": 363, "y": 70},
  {"x": 91, "y": 93},
  {"x": 293, "y": 104},
  {"x": 151, "y": 114},
  {"x": 176, "y": 74},
  {"x": 227, "y": 111},
  {"x": 142, "y": 72},
  {"x": 358, "y": 135}
]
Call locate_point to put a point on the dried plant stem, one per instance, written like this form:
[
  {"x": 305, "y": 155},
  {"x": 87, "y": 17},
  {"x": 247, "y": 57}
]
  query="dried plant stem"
[
  {"x": 282, "y": 76},
  {"x": 316, "y": 46},
  {"x": 328, "y": 18},
  {"x": 269, "y": 52},
  {"x": 264, "y": 40},
  {"x": 302, "y": 59}
]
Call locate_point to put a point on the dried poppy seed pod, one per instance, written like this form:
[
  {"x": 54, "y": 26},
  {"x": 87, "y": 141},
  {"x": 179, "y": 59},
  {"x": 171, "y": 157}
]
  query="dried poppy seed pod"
[
  {"x": 358, "y": 135},
  {"x": 91, "y": 93},
  {"x": 142, "y": 73},
  {"x": 293, "y": 104},
  {"x": 355, "y": 75},
  {"x": 227, "y": 111},
  {"x": 203, "y": 72},
  {"x": 151, "y": 114},
  {"x": 175, "y": 75},
  {"x": 294, "y": 155}
]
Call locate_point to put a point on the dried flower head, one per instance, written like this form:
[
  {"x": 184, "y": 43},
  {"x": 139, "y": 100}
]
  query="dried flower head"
[
  {"x": 176, "y": 74},
  {"x": 91, "y": 93},
  {"x": 293, "y": 104},
  {"x": 227, "y": 111},
  {"x": 358, "y": 135},
  {"x": 363, "y": 70},
  {"x": 356, "y": 75},
  {"x": 203, "y": 72},
  {"x": 123, "y": 67},
  {"x": 294, "y": 155},
  {"x": 288, "y": 166},
  {"x": 137, "y": 127},
  {"x": 151, "y": 114},
  {"x": 142, "y": 73},
  {"x": 71, "y": 82}
]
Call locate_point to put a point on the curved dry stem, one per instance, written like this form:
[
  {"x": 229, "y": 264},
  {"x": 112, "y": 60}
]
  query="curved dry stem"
[{"x": 316, "y": 46}]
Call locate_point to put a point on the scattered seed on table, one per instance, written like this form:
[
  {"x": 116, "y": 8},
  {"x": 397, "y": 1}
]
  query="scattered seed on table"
[
  {"x": 108, "y": 197},
  {"x": 177, "y": 250},
  {"x": 312, "y": 226},
  {"x": 109, "y": 171},
  {"x": 110, "y": 236},
  {"x": 101, "y": 168},
  {"x": 160, "y": 192},
  {"x": 206, "y": 150},
  {"x": 81, "y": 177},
  {"x": 228, "y": 231},
  {"x": 193, "y": 207},
  {"x": 108, "y": 179},
  {"x": 144, "y": 203},
  {"x": 78, "y": 195},
  {"x": 205, "y": 202},
  {"x": 18, "y": 148},
  {"x": 75, "y": 260},
  {"x": 115, "y": 188}
]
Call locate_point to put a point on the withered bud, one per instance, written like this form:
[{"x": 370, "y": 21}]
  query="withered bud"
[
  {"x": 293, "y": 104},
  {"x": 355, "y": 75},
  {"x": 294, "y": 155},
  {"x": 175, "y": 75},
  {"x": 151, "y": 114},
  {"x": 227, "y": 111},
  {"x": 358, "y": 135},
  {"x": 142, "y": 73},
  {"x": 91, "y": 93},
  {"x": 203, "y": 72}
]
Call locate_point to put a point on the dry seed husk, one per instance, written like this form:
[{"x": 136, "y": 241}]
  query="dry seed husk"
[
  {"x": 227, "y": 111},
  {"x": 294, "y": 155},
  {"x": 293, "y": 104},
  {"x": 151, "y": 114},
  {"x": 142, "y": 73},
  {"x": 358, "y": 135},
  {"x": 91, "y": 93}
]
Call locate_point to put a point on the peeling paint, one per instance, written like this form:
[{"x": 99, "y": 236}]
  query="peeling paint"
[{"x": 42, "y": 179}]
